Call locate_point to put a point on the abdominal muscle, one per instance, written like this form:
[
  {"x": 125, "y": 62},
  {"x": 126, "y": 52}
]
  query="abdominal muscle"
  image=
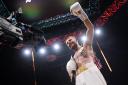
[
  {"x": 83, "y": 57},
  {"x": 83, "y": 61}
]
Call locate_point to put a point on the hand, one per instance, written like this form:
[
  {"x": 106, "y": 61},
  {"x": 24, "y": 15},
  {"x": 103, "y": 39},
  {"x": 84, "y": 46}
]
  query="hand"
[{"x": 77, "y": 10}]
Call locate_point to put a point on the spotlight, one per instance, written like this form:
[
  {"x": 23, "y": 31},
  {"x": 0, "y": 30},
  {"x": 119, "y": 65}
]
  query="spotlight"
[
  {"x": 28, "y": 1},
  {"x": 56, "y": 46},
  {"x": 42, "y": 50},
  {"x": 83, "y": 38},
  {"x": 27, "y": 52},
  {"x": 98, "y": 32}
]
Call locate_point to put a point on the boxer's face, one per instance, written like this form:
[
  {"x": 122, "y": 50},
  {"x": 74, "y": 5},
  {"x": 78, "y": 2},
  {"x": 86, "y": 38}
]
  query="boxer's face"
[{"x": 71, "y": 42}]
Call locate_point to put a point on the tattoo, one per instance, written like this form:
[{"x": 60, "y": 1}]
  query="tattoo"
[{"x": 83, "y": 53}]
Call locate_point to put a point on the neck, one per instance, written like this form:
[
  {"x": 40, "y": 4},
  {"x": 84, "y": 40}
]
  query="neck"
[{"x": 77, "y": 48}]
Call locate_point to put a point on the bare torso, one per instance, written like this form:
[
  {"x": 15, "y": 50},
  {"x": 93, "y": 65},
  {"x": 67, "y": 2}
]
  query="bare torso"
[{"x": 82, "y": 57}]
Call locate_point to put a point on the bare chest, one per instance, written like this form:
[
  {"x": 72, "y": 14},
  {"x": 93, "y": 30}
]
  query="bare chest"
[{"x": 83, "y": 56}]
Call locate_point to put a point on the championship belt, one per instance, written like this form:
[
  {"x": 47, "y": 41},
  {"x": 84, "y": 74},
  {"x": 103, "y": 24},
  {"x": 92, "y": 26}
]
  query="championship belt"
[{"x": 81, "y": 69}]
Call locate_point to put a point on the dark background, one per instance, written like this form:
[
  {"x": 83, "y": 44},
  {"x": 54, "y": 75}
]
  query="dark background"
[{"x": 16, "y": 69}]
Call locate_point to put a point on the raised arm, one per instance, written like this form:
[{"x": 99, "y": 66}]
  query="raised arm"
[{"x": 77, "y": 10}]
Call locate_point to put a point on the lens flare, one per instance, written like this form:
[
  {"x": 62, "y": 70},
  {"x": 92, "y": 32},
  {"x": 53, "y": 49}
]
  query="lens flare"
[
  {"x": 68, "y": 3},
  {"x": 31, "y": 11}
]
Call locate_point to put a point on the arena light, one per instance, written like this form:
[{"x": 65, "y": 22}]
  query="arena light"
[
  {"x": 83, "y": 38},
  {"x": 42, "y": 51},
  {"x": 28, "y": 1},
  {"x": 56, "y": 46},
  {"x": 98, "y": 31},
  {"x": 27, "y": 52}
]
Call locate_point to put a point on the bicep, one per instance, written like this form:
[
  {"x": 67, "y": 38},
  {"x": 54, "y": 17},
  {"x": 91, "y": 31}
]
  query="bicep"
[{"x": 90, "y": 31}]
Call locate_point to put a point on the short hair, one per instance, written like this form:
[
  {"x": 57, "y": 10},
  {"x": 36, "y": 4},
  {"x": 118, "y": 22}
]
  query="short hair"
[
  {"x": 75, "y": 34},
  {"x": 67, "y": 36}
]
